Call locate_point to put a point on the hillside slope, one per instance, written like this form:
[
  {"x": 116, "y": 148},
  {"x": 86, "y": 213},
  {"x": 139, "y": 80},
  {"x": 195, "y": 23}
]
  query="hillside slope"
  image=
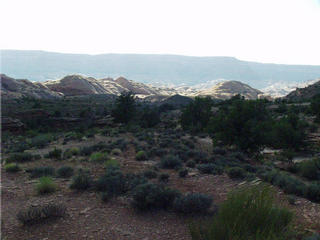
[{"x": 306, "y": 93}]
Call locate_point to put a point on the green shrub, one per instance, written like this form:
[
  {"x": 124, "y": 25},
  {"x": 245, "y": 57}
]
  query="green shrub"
[
  {"x": 113, "y": 182},
  {"x": 111, "y": 163},
  {"x": 151, "y": 196},
  {"x": 65, "y": 172},
  {"x": 55, "y": 154},
  {"x": 210, "y": 168},
  {"x": 236, "y": 173},
  {"x": 41, "y": 172},
  {"x": 191, "y": 164},
  {"x": 170, "y": 162},
  {"x": 20, "y": 157},
  {"x": 12, "y": 167},
  {"x": 41, "y": 141},
  {"x": 99, "y": 157},
  {"x": 164, "y": 177},
  {"x": 183, "y": 173},
  {"x": 312, "y": 192},
  {"x": 192, "y": 203},
  {"x": 150, "y": 174},
  {"x": 141, "y": 156},
  {"x": 71, "y": 152},
  {"x": 246, "y": 214},
  {"x": 116, "y": 152},
  {"x": 45, "y": 186},
  {"x": 81, "y": 181},
  {"x": 37, "y": 214},
  {"x": 310, "y": 169}
]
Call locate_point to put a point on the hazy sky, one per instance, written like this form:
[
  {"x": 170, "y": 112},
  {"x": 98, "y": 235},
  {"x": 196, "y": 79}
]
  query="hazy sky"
[{"x": 279, "y": 31}]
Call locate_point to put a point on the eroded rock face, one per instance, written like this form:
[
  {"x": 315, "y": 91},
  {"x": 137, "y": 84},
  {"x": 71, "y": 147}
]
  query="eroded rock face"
[
  {"x": 76, "y": 85},
  {"x": 304, "y": 93},
  {"x": 16, "y": 88},
  {"x": 228, "y": 89}
]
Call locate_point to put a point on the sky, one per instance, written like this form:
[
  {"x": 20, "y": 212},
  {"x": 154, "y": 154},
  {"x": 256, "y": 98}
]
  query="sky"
[{"x": 276, "y": 31}]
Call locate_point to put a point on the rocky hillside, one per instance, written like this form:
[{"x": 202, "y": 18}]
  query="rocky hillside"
[
  {"x": 306, "y": 93},
  {"x": 227, "y": 89},
  {"x": 16, "y": 88}
]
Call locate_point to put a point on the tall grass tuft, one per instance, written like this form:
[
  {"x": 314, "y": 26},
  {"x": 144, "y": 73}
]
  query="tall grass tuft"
[{"x": 248, "y": 214}]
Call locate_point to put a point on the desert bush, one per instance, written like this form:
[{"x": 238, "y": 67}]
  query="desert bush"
[
  {"x": 12, "y": 167},
  {"x": 55, "y": 154},
  {"x": 141, "y": 156},
  {"x": 164, "y": 177},
  {"x": 247, "y": 214},
  {"x": 105, "y": 196},
  {"x": 191, "y": 164},
  {"x": 116, "y": 152},
  {"x": 113, "y": 182},
  {"x": 236, "y": 173},
  {"x": 81, "y": 181},
  {"x": 150, "y": 174},
  {"x": 41, "y": 171},
  {"x": 41, "y": 141},
  {"x": 170, "y": 162},
  {"x": 71, "y": 152},
  {"x": 310, "y": 169},
  {"x": 192, "y": 203},
  {"x": 20, "y": 157},
  {"x": 183, "y": 173},
  {"x": 98, "y": 157},
  {"x": 219, "y": 150},
  {"x": 37, "y": 214},
  {"x": 210, "y": 168},
  {"x": 111, "y": 163},
  {"x": 151, "y": 196},
  {"x": 125, "y": 108},
  {"x": 46, "y": 185},
  {"x": 134, "y": 180},
  {"x": 65, "y": 172},
  {"x": 312, "y": 192}
]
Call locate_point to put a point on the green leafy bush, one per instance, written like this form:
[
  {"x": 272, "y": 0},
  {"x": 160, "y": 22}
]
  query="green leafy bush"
[
  {"x": 236, "y": 173},
  {"x": 141, "y": 156},
  {"x": 247, "y": 214},
  {"x": 116, "y": 152},
  {"x": 37, "y": 214},
  {"x": 99, "y": 157},
  {"x": 41, "y": 141},
  {"x": 55, "y": 154},
  {"x": 71, "y": 152},
  {"x": 151, "y": 196},
  {"x": 192, "y": 203},
  {"x": 113, "y": 182},
  {"x": 191, "y": 164},
  {"x": 46, "y": 185},
  {"x": 310, "y": 169},
  {"x": 12, "y": 167},
  {"x": 41, "y": 171},
  {"x": 111, "y": 163},
  {"x": 81, "y": 181},
  {"x": 20, "y": 157},
  {"x": 312, "y": 192},
  {"x": 65, "y": 172},
  {"x": 210, "y": 168},
  {"x": 170, "y": 162}
]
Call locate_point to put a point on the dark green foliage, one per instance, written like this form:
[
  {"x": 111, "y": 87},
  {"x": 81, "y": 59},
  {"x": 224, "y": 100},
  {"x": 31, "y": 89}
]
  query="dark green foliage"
[
  {"x": 313, "y": 192},
  {"x": 246, "y": 214},
  {"x": 65, "y": 172},
  {"x": 134, "y": 180},
  {"x": 192, "y": 203},
  {"x": 164, "y": 177},
  {"x": 310, "y": 169},
  {"x": 196, "y": 114},
  {"x": 218, "y": 150},
  {"x": 151, "y": 196},
  {"x": 191, "y": 164},
  {"x": 41, "y": 171},
  {"x": 183, "y": 173},
  {"x": 40, "y": 141},
  {"x": 20, "y": 157},
  {"x": 241, "y": 123},
  {"x": 141, "y": 156},
  {"x": 55, "y": 154},
  {"x": 210, "y": 168},
  {"x": 236, "y": 173},
  {"x": 45, "y": 185},
  {"x": 12, "y": 167},
  {"x": 81, "y": 181},
  {"x": 315, "y": 106},
  {"x": 170, "y": 162},
  {"x": 149, "y": 117},
  {"x": 113, "y": 182},
  {"x": 124, "y": 109},
  {"x": 34, "y": 215},
  {"x": 150, "y": 174}
]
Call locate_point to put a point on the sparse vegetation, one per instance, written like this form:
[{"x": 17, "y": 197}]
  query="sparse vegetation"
[
  {"x": 12, "y": 167},
  {"x": 46, "y": 185},
  {"x": 193, "y": 203}
]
